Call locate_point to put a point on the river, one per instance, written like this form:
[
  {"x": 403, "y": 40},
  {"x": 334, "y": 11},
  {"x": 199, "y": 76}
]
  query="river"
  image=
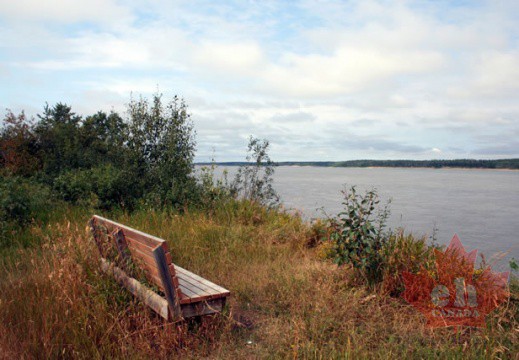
[{"x": 481, "y": 206}]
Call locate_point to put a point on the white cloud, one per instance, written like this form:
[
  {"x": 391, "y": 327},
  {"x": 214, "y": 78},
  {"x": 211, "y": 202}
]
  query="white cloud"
[
  {"x": 228, "y": 58},
  {"x": 408, "y": 77},
  {"x": 349, "y": 69},
  {"x": 63, "y": 11},
  {"x": 498, "y": 71}
]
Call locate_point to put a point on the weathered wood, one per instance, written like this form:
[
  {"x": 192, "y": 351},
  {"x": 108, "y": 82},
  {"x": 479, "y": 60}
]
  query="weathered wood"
[
  {"x": 195, "y": 293},
  {"x": 181, "y": 272},
  {"x": 202, "y": 287},
  {"x": 92, "y": 223},
  {"x": 169, "y": 289},
  {"x": 122, "y": 248},
  {"x": 187, "y": 294},
  {"x": 150, "y": 298},
  {"x": 203, "y": 308},
  {"x": 149, "y": 240},
  {"x": 145, "y": 251}
]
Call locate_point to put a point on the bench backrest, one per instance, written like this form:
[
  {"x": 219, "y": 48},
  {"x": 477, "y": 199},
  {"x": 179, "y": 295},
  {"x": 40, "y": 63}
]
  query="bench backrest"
[{"x": 148, "y": 252}]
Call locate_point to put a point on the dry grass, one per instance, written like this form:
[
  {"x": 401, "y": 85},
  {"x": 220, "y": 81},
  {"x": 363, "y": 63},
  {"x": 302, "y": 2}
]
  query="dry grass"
[{"x": 286, "y": 301}]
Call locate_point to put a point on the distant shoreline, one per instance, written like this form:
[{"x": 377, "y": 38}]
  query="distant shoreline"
[{"x": 466, "y": 164}]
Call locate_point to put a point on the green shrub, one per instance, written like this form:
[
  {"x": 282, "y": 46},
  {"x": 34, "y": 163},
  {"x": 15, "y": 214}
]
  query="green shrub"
[
  {"x": 74, "y": 185},
  {"x": 102, "y": 187},
  {"x": 253, "y": 181},
  {"x": 114, "y": 187},
  {"x": 358, "y": 235},
  {"x": 213, "y": 192},
  {"x": 404, "y": 252},
  {"x": 22, "y": 200}
]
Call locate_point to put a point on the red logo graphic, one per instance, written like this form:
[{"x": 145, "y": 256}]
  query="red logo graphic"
[{"x": 456, "y": 294}]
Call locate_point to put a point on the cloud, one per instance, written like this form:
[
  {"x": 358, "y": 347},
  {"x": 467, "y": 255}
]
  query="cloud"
[
  {"x": 509, "y": 149},
  {"x": 334, "y": 79},
  {"x": 236, "y": 58},
  {"x": 293, "y": 117},
  {"x": 63, "y": 11},
  {"x": 347, "y": 70}
]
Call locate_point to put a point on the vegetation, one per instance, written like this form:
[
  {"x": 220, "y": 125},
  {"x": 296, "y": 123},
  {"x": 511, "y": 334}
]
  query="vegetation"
[
  {"x": 286, "y": 300},
  {"x": 115, "y": 162},
  {"x": 458, "y": 163},
  {"x": 358, "y": 236},
  {"x": 253, "y": 181},
  {"x": 331, "y": 289}
]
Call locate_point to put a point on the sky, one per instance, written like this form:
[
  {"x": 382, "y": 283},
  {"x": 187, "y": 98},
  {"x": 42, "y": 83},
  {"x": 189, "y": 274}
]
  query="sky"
[{"x": 321, "y": 80}]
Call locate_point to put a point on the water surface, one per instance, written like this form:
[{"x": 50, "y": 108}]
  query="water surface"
[{"x": 481, "y": 206}]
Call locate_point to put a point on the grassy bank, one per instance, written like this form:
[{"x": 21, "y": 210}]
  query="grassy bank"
[{"x": 287, "y": 299}]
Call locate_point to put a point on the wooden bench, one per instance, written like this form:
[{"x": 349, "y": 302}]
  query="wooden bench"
[{"x": 128, "y": 253}]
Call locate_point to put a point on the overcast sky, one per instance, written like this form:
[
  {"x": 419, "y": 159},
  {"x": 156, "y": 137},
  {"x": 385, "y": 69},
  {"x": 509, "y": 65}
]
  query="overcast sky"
[{"x": 322, "y": 80}]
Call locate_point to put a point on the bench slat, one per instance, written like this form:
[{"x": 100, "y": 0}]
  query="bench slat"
[
  {"x": 188, "y": 274},
  {"x": 195, "y": 292},
  {"x": 189, "y": 296},
  {"x": 203, "y": 289},
  {"x": 149, "y": 240}
]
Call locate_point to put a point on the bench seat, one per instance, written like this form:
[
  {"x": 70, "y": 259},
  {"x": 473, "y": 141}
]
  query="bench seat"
[
  {"x": 125, "y": 251},
  {"x": 195, "y": 288}
]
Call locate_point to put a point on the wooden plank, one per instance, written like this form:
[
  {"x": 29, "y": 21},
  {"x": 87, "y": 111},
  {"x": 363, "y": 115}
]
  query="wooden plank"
[
  {"x": 203, "y": 308},
  {"x": 199, "y": 288},
  {"x": 92, "y": 223},
  {"x": 194, "y": 293},
  {"x": 148, "y": 262},
  {"x": 145, "y": 249},
  {"x": 203, "y": 286},
  {"x": 185, "y": 273},
  {"x": 171, "y": 294},
  {"x": 149, "y": 240},
  {"x": 122, "y": 248},
  {"x": 139, "y": 245},
  {"x": 121, "y": 244},
  {"x": 150, "y": 298},
  {"x": 142, "y": 256}
]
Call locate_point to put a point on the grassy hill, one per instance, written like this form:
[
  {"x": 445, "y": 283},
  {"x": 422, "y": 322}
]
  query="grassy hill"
[{"x": 288, "y": 300}]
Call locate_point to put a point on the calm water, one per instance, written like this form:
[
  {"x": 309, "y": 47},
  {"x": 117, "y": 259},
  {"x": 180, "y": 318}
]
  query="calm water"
[{"x": 481, "y": 206}]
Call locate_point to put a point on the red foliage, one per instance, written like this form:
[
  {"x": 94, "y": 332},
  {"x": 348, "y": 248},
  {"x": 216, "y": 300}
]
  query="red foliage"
[
  {"x": 456, "y": 295},
  {"x": 18, "y": 145}
]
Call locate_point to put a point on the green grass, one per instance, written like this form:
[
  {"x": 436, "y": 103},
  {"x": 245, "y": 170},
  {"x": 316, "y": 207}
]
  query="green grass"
[{"x": 287, "y": 300}]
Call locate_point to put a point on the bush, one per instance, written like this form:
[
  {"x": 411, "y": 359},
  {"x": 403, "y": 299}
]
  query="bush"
[
  {"x": 74, "y": 185},
  {"x": 18, "y": 147},
  {"x": 358, "y": 236},
  {"x": 254, "y": 180},
  {"x": 103, "y": 187},
  {"x": 22, "y": 200},
  {"x": 404, "y": 252},
  {"x": 213, "y": 192}
]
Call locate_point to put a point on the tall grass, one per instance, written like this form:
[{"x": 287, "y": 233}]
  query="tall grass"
[{"x": 286, "y": 300}]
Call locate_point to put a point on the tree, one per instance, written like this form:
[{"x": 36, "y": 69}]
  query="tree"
[
  {"x": 162, "y": 146},
  {"x": 58, "y": 139},
  {"x": 254, "y": 180},
  {"x": 18, "y": 148},
  {"x": 103, "y": 140}
]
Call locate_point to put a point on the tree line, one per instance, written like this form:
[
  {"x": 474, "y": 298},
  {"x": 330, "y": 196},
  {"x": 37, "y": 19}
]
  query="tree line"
[
  {"x": 106, "y": 161},
  {"x": 103, "y": 159},
  {"x": 457, "y": 163}
]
